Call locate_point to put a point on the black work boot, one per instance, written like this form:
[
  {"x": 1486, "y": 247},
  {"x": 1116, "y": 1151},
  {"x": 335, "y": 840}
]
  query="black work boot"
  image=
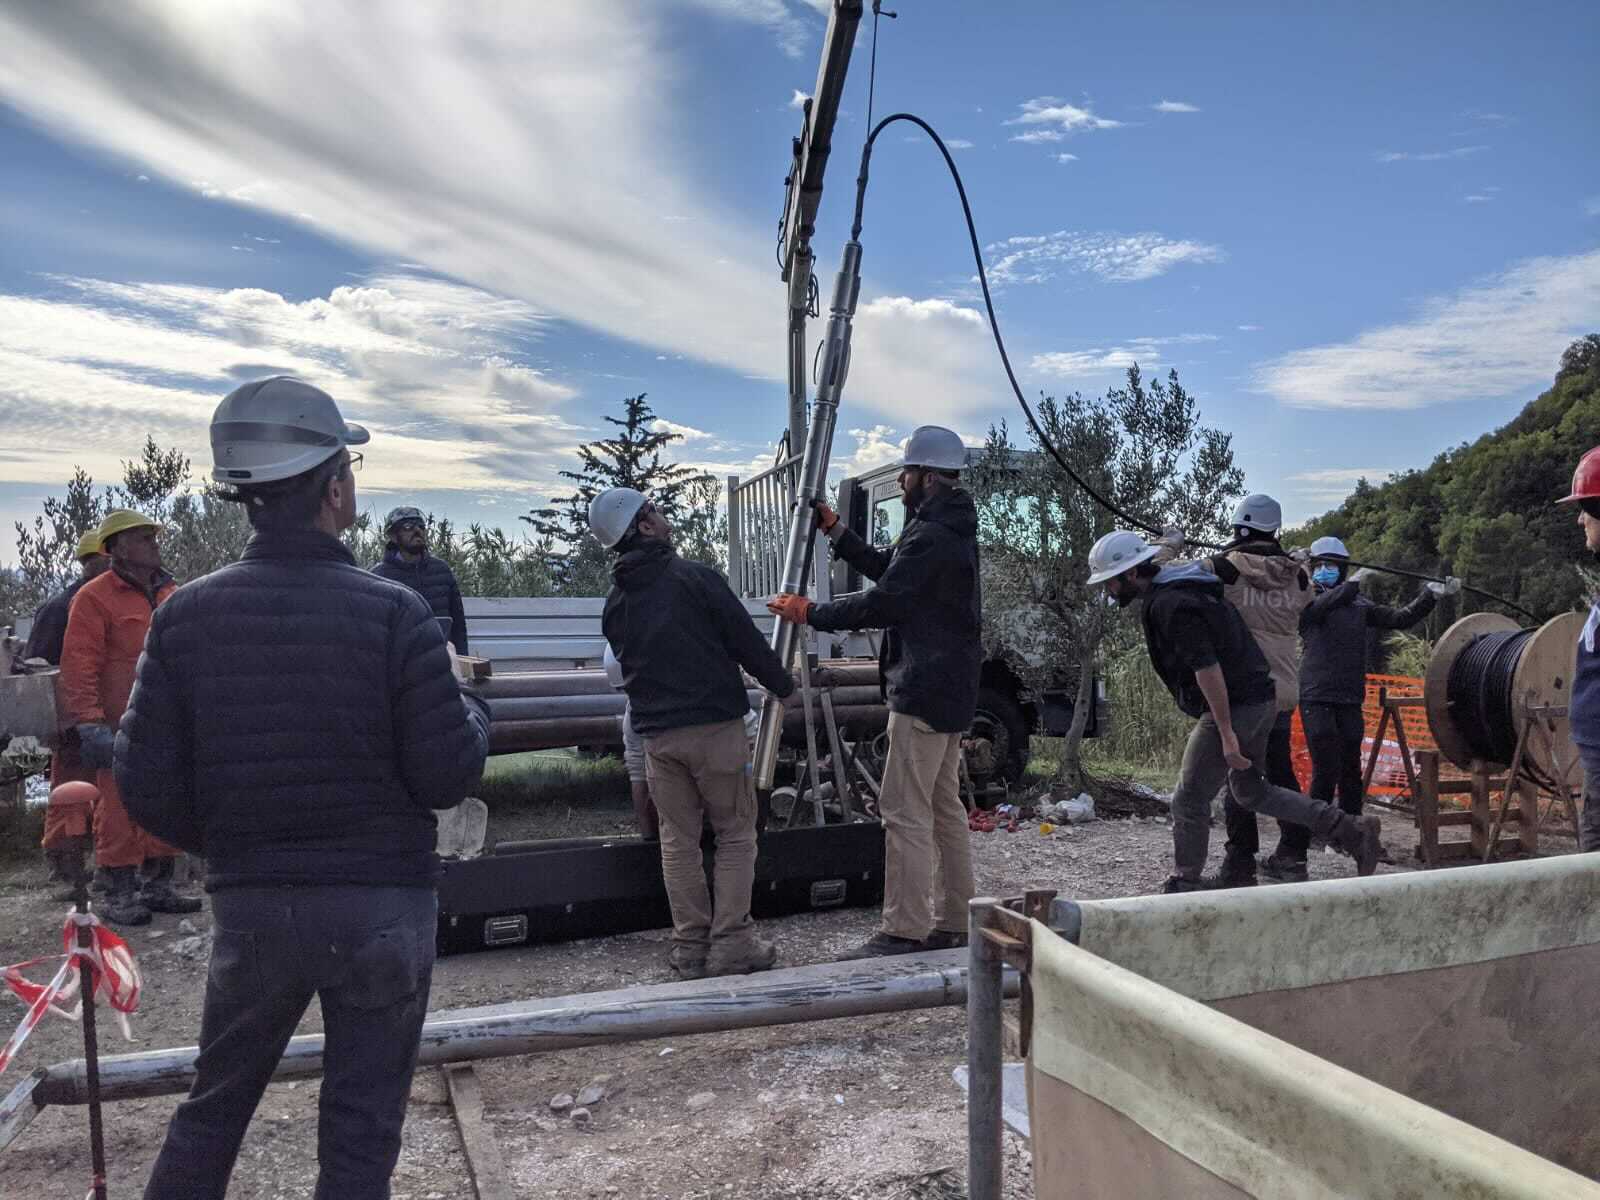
[
  {"x": 122, "y": 905},
  {"x": 1177, "y": 883},
  {"x": 68, "y": 864},
  {"x": 1237, "y": 870},
  {"x": 158, "y": 894},
  {"x": 881, "y": 945},
  {"x": 1284, "y": 867},
  {"x": 100, "y": 883},
  {"x": 944, "y": 939},
  {"x": 1360, "y": 838}
]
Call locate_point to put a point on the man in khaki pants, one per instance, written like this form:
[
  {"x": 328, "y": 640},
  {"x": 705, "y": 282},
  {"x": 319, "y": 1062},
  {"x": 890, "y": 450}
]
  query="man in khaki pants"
[
  {"x": 928, "y": 603},
  {"x": 680, "y": 636}
]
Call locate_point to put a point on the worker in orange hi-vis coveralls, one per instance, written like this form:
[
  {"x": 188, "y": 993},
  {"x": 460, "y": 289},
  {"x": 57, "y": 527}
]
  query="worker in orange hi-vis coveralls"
[
  {"x": 105, "y": 636},
  {"x": 67, "y": 818}
]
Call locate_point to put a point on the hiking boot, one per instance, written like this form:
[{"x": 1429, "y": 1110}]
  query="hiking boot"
[
  {"x": 68, "y": 865},
  {"x": 1285, "y": 868},
  {"x": 882, "y": 945},
  {"x": 944, "y": 939},
  {"x": 1177, "y": 884},
  {"x": 100, "y": 882},
  {"x": 1237, "y": 870},
  {"x": 688, "y": 962},
  {"x": 158, "y": 893},
  {"x": 1362, "y": 839},
  {"x": 122, "y": 905},
  {"x": 743, "y": 957}
]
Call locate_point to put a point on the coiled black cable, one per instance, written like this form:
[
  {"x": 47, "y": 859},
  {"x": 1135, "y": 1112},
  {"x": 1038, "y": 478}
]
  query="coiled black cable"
[
  {"x": 1005, "y": 359},
  {"x": 1479, "y": 693}
]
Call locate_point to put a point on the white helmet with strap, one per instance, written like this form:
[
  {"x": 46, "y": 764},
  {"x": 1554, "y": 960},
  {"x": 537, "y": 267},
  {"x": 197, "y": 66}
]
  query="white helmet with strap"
[
  {"x": 611, "y": 514},
  {"x": 1116, "y": 552},
  {"x": 277, "y": 428},
  {"x": 937, "y": 448},
  {"x": 1259, "y": 512},
  {"x": 1329, "y": 547}
]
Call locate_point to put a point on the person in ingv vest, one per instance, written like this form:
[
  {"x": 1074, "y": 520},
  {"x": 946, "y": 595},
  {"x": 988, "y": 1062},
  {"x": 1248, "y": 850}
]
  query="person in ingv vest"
[{"x": 1585, "y": 706}]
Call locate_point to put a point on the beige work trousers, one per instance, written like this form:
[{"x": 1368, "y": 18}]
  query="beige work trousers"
[
  {"x": 924, "y": 822},
  {"x": 699, "y": 773}
]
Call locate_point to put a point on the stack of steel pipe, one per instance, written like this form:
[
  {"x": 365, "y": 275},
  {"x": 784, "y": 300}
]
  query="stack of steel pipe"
[{"x": 543, "y": 710}]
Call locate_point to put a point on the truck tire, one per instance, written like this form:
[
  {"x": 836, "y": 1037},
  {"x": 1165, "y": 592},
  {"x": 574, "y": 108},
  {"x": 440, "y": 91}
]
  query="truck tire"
[{"x": 999, "y": 718}]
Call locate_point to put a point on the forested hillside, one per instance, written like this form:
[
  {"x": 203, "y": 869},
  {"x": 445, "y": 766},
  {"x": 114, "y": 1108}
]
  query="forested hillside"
[{"x": 1485, "y": 511}]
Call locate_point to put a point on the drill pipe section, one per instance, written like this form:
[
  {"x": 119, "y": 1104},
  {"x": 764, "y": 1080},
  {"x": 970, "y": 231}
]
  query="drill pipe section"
[
  {"x": 819, "y": 992},
  {"x": 514, "y": 737}
]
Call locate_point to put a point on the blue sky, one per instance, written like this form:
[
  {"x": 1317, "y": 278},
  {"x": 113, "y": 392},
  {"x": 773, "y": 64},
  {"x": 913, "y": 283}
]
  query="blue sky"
[{"x": 1360, "y": 236}]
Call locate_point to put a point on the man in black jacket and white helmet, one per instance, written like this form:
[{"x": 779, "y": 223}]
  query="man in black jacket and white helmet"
[
  {"x": 296, "y": 721},
  {"x": 928, "y": 602}
]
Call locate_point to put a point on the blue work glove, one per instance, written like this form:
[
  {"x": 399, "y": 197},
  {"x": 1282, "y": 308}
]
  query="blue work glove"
[{"x": 96, "y": 743}]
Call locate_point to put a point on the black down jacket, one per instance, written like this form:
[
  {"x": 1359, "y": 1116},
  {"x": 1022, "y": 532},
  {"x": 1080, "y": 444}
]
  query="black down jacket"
[
  {"x": 681, "y": 636},
  {"x": 928, "y": 600},
  {"x": 435, "y": 582},
  {"x": 295, "y": 721},
  {"x": 1333, "y": 635},
  {"x": 49, "y": 630}
]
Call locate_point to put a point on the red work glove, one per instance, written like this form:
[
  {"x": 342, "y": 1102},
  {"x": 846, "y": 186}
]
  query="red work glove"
[
  {"x": 795, "y": 609},
  {"x": 826, "y": 517}
]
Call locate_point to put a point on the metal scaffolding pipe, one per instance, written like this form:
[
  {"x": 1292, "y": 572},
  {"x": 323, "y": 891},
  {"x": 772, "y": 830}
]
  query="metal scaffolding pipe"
[
  {"x": 819, "y": 992},
  {"x": 514, "y": 736}
]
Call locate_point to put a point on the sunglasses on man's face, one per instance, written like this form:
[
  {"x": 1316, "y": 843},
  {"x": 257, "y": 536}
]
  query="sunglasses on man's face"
[{"x": 354, "y": 462}]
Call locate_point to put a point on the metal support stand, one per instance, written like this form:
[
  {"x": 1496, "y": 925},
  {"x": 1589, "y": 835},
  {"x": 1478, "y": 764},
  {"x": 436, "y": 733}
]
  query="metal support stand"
[
  {"x": 985, "y": 1171},
  {"x": 91, "y": 1046}
]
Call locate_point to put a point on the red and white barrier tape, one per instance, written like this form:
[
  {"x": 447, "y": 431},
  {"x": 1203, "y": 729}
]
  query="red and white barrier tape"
[{"x": 116, "y": 981}]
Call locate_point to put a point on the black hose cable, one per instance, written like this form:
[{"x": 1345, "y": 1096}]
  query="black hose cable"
[{"x": 1011, "y": 375}]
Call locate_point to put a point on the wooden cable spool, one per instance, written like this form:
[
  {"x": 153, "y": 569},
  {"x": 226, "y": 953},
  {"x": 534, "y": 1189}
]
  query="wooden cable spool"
[{"x": 1540, "y": 687}]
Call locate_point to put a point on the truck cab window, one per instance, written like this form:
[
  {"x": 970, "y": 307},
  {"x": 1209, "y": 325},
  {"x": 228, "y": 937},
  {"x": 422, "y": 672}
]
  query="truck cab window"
[{"x": 888, "y": 516}]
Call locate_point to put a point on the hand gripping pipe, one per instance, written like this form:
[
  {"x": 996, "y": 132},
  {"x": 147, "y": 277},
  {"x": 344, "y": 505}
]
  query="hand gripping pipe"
[{"x": 812, "y": 486}]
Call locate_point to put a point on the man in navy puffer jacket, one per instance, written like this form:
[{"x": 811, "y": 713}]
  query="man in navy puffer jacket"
[
  {"x": 296, "y": 720},
  {"x": 406, "y": 560}
]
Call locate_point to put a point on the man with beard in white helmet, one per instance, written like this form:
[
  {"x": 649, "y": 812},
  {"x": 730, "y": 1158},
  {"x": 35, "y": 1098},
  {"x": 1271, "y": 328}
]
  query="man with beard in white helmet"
[
  {"x": 1270, "y": 589},
  {"x": 1205, "y": 654}
]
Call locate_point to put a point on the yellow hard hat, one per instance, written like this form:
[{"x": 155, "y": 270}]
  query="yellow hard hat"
[
  {"x": 90, "y": 544},
  {"x": 120, "y": 520}
]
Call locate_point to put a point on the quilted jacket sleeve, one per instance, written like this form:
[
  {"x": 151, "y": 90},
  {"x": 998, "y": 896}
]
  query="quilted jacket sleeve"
[
  {"x": 441, "y": 729},
  {"x": 154, "y": 758}
]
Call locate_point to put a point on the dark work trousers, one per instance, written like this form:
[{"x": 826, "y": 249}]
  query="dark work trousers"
[
  {"x": 367, "y": 954},
  {"x": 1333, "y": 735},
  {"x": 1244, "y": 831}
]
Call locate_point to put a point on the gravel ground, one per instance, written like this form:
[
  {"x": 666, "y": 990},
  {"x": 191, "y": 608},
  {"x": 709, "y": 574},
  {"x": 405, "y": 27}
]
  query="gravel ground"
[{"x": 836, "y": 1110}]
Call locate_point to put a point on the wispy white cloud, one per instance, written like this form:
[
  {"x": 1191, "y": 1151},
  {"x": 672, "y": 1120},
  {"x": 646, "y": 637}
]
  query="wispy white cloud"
[
  {"x": 958, "y": 143},
  {"x": 793, "y": 26},
  {"x": 1174, "y": 106},
  {"x": 1116, "y": 258},
  {"x": 1591, "y": 206},
  {"x": 922, "y": 360},
  {"x": 798, "y": 100},
  {"x": 433, "y": 367},
  {"x": 1500, "y": 336},
  {"x": 575, "y": 102},
  {"x": 1477, "y": 198},
  {"x": 1052, "y": 111},
  {"x": 1329, "y": 486},
  {"x": 1039, "y": 135},
  {"x": 1145, "y": 351},
  {"x": 1249, "y": 329},
  {"x": 1487, "y": 118},
  {"x": 1389, "y": 156},
  {"x": 1066, "y": 158}
]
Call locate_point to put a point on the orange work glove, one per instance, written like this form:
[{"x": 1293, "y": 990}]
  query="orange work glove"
[
  {"x": 826, "y": 517},
  {"x": 796, "y": 609}
]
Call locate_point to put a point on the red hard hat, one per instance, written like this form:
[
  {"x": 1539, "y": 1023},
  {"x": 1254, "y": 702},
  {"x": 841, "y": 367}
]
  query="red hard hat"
[
  {"x": 1586, "y": 479},
  {"x": 74, "y": 791}
]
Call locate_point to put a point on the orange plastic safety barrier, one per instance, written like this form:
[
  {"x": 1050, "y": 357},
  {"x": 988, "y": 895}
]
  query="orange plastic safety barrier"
[{"x": 1389, "y": 776}]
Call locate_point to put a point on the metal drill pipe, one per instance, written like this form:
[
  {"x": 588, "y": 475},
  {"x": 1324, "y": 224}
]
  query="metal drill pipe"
[{"x": 812, "y": 486}]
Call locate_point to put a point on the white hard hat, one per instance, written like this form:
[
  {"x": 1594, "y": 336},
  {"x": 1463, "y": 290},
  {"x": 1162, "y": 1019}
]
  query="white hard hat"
[
  {"x": 277, "y": 428},
  {"x": 613, "y": 668},
  {"x": 1329, "y": 547},
  {"x": 611, "y": 514},
  {"x": 1259, "y": 512},
  {"x": 1115, "y": 553},
  {"x": 935, "y": 447}
]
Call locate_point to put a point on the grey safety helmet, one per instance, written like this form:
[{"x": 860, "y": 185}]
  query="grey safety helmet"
[
  {"x": 1259, "y": 512},
  {"x": 936, "y": 448},
  {"x": 404, "y": 513},
  {"x": 1330, "y": 548},
  {"x": 277, "y": 428}
]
